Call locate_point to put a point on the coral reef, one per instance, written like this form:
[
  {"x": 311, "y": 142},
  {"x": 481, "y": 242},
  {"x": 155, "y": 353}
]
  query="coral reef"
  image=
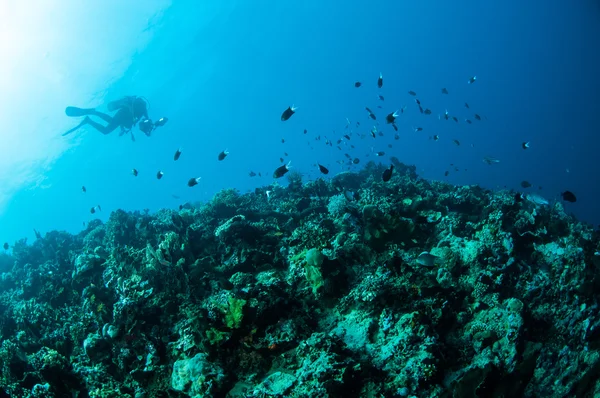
[{"x": 318, "y": 290}]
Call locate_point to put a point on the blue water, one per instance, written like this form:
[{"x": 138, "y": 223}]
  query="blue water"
[{"x": 223, "y": 73}]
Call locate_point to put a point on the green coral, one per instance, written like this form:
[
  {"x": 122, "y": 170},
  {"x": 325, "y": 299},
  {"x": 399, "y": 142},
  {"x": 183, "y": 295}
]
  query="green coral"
[{"x": 235, "y": 312}]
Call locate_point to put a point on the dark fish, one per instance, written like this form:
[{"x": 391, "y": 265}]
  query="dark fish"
[
  {"x": 252, "y": 174},
  {"x": 525, "y": 145},
  {"x": 436, "y": 137},
  {"x": 93, "y": 210},
  {"x": 223, "y": 154},
  {"x": 381, "y": 153},
  {"x": 357, "y": 84},
  {"x": 282, "y": 170},
  {"x": 356, "y": 161},
  {"x": 391, "y": 118},
  {"x": 417, "y": 101},
  {"x": 417, "y": 129},
  {"x": 569, "y": 196},
  {"x": 288, "y": 113},
  {"x": 5, "y": 246},
  {"x": 446, "y": 173},
  {"x": 283, "y": 140},
  {"x": 371, "y": 114},
  {"x": 455, "y": 119},
  {"x": 281, "y": 160},
  {"x": 381, "y": 98},
  {"x": 395, "y": 127},
  {"x": 412, "y": 93},
  {"x": 177, "y": 154},
  {"x": 99, "y": 208},
  {"x": 525, "y": 184},
  {"x": 396, "y": 136},
  {"x": 390, "y": 146},
  {"x": 348, "y": 155},
  {"x": 285, "y": 154},
  {"x": 159, "y": 174},
  {"x": 457, "y": 142},
  {"x": 472, "y": 80},
  {"x": 134, "y": 172},
  {"x": 83, "y": 189},
  {"x": 193, "y": 181},
  {"x": 323, "y": 169},
  {"x": 305, "y": 131},
  {"x": 421, "y": 109},
  {"x": 468, "y": 121},
  {"x": 466, "y": 105},
  {"x": 477, "y": 117},
  {"x": 444, "y": 91},
  {"x": 380, "y": 81},
  {"x": 519, "y": 198},
  {"x": 387, "y": 174},
  {"x": 427, "y": 111},
  {"x": 346, "y": 136}
]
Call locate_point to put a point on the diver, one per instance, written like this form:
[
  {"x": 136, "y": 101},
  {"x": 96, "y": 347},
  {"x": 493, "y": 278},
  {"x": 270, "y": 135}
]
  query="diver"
[{"x": 129, "y": 111}]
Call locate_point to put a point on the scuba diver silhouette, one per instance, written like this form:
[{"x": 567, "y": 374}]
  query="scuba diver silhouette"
[{"x": 130, "y": 111}]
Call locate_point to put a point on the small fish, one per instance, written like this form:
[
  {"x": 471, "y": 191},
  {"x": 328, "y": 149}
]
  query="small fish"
[
  {"x": 537, "y": 199},
  {"x": 93, "y": 210},
  {"x": 417, "y": 129},
  {"x": 391, "y": 118},
  {"x": 421, "y": 109},
  {"x": 252, "y": 174},
  {"x": 177, "y": 154},
  {"x": 371, "y": 114},
  {"x": 374, "y": 132},
  {"x": 446, "y": 115},
  {"x": 83, "y": 189},
  {"x": 490, "y": 160},
  {"x": 194, "y": 181},
  {"x": 395, "y": 127},
  {"x": 99, "y": 208},
  {"x": 467, "y": 105},
  {"x": 446, "y": 173},
  {"x": 281, "y": 160},
  {"x": 525, "y": 184},
  {"x": 519, "y": 197},
  {"x": 457, "y": 142},
  {"x": 427, "y": 111},
  {"x": 323, "y": 169},
  {"x": 305, "y": 131},
  {"x": 472, "y": 80},
  {"x": 436, "y": 137},
  {"x": 288, "y": 113},
  {"x": 427, "y": 259},
  {"x": 357, "y": 84},
  {"x": 477, "y": 117},
  {"x": 356, "y": 161},
  {"x": 417, "y": 101},
  {"x": 380, "y": 153},
  {"x": 412, "y": 93},
  {"x": 175, "y": 196},
  {"x": 444, "y": 91},
  {"x": 346, "y": 136},
  {"x": 387, "y": 174},
  {"x": 468, "y": 121},
  {"x": 381, "y": 98},
  {"x": 569, "y": 196},
  {"x": 455, "y": 119},
  {"x": 134, "y": 172},
  {"x": 525, "y": 145},
  {"x": 223, "y": 154},
  {"x": 285, "y": 154},
  {"x": 5, "y": 246},
  {"x": 282, "y": 170},
  {"x": 159, "y": 175},
  {"x": 380, "y": 81},
  {"x": 283, "y": 140}
]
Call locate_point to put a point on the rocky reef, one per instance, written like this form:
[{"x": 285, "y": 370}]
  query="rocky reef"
[{"x": 349, "y": 287}]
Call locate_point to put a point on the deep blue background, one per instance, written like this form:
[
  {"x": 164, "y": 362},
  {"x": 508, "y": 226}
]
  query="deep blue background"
[{"x": 224, "y": 72}]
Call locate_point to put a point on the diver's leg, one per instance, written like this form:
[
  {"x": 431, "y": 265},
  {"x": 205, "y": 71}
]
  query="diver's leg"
[
  {"x": 103, "y": 129},
  {"x": 107, "y": 118}
]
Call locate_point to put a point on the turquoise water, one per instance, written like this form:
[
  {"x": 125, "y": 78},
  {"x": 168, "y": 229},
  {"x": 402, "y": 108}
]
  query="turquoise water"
[{"x": 223, "y": 72}]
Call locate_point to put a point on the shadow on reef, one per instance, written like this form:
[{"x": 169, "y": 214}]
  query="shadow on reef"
[{"x": 346, "y": 287}]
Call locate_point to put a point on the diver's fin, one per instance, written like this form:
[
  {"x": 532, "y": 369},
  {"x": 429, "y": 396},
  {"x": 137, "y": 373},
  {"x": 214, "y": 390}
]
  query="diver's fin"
[
  {"x": 73, "y": 111},
  {"x": 76, "y": 127}
]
